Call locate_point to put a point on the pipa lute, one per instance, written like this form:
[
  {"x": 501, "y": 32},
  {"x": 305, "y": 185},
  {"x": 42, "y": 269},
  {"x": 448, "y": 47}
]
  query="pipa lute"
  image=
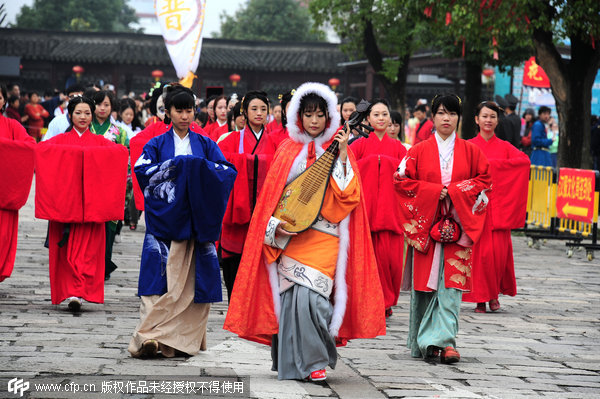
[{"x": 302, "y": 199}]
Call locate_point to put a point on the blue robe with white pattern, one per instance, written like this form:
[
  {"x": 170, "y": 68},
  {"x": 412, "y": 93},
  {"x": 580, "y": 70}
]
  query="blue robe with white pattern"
[{"x": 186, "y": 197}]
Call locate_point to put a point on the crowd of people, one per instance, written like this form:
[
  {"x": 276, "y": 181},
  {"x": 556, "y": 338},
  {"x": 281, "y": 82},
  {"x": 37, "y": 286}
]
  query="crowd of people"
[{"x": 225, "y": 185}]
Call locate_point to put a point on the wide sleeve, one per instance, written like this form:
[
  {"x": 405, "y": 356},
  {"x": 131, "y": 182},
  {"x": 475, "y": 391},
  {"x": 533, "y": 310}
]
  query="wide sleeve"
[
  {"x": 342, "y": 194},
  {"x": 419, "y": 201},
  {"x": 16, "y": 172},
  {"x": 104, "y": 182},
  {"x": 59, "y": 183},
  {"x": 469, "y": 196},
  {"x": 510, "y": 184}
]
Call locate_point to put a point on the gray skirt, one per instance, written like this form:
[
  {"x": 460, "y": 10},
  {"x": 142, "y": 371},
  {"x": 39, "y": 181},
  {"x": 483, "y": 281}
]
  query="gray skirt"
[{"x": 303, "y": 344}]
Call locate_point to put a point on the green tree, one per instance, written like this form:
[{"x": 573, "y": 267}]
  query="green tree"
[
  {"x": 270, "y": 20},
  {"x": 380, "y": 30},
  {"x": 571, "y": 76},
  {"x": 491, "y": 33},
  {"x": 74, "y": 15}
]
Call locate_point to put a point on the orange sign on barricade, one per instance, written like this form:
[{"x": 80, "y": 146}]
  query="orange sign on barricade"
[{"x": 575, "y": 194}]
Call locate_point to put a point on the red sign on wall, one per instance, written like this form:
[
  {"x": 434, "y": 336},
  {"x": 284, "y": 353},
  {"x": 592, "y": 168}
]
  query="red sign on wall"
[{"x": 575, "y": 196}]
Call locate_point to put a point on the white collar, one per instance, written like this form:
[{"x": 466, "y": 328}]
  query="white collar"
[
  {"x": 221, "y": 124},
  {"x": 78, "y": 132},
  {"x": 179, "y": 139},
  {"x": 445, "y": 145}
]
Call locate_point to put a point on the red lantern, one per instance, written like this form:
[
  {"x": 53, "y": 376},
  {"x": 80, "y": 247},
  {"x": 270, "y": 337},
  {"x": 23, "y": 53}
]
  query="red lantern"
[
  {"x": 488, "y": 72},
  {"x": 334, "y": 83},
  {"x": 157, "y": 74},
  {"x": 234, "y": 78},
  {"x": 78, "y": 70}
]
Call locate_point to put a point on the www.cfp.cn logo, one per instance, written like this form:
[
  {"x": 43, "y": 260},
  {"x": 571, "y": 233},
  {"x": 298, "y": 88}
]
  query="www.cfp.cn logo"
[{"x": 18, "y": 386}]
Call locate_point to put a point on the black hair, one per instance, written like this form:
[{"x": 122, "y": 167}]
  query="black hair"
[
  {"x": 31, "y": 93},
  {"x": 543, "y": 109},
  {"x": 233, "y": 114},
  {"x": 12, "y": 99},
  {"x": 379, "y": 101},
  {"x": 311, "y": 102},
  {"x": 251, "y": 95},
  {"x": 451, "y": 102},
  {"x": 99, "y": 97},
  {"x": 76, "y": 101},
  {"x": 396, "y": 117},
  {"x": 421, "y": 107},
  {"x": 12, "y": 85},
  {"x": 74, "y": 89},
  {"x": 156, "y": 92},
  {"x": 529, "y": 111},
  {"x": 284, "y": 101},
  {"x": 4, "y": 96},
  {"x": 179, "y": 97},
  {"x": 202, "y": 118},
  {"x": 491, "y": 105},
  {"x": 350, "y": 99},
  {"x": 217, "y": 99},
  {"x": 124, "y": 105}
]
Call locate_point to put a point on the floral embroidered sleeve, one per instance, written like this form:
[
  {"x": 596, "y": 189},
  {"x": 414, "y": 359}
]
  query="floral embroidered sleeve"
[{"x": 418, "y": 203}]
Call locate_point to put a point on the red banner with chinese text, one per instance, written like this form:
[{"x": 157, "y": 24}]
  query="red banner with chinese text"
[{"x": 575, "y": 195}]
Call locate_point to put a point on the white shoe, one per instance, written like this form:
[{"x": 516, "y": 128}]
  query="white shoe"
[
  {"x": 74, "y": 303},
  {"x": 118, "y": 238}
]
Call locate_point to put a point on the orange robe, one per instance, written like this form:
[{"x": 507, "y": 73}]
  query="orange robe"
[{"x": 252, "y": 313}]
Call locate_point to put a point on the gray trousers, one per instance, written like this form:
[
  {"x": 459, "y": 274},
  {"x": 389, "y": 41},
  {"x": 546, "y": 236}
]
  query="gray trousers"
[{"x": 303, "y": 344}]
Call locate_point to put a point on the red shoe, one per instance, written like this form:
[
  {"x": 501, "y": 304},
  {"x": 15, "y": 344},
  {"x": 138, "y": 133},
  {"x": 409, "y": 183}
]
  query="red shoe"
[
  {"x": 450, "y": 355},
  {"x": 318, "y": 375},
  {"x": 480, "y": 307},
  {"x": 494, "y": 305}
]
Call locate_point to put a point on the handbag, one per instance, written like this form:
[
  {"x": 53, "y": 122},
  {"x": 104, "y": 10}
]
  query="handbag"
[{"x": 446, "y": 230}]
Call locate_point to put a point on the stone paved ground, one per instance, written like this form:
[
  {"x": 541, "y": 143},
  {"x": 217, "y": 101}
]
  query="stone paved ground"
[{"x": 545, "y": 342}]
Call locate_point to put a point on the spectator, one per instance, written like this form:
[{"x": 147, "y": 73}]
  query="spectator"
[
  {"x": 36, "y": 114},
  {"x": 539, "y": 141},
  {"x": 425, "y": 127}
]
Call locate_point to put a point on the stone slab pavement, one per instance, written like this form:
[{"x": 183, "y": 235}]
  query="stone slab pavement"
[{"x": 545, "y": 342}]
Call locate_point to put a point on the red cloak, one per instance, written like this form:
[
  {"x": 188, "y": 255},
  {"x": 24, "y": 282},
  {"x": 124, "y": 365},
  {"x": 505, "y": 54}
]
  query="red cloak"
[
  {"x": 251, "y": 312},
  {"x": 419, "y": 194},
  {"x": 493, "y": 264},
  {"x": 80, "y": 184},
  {"x": 16, "y": 164}
]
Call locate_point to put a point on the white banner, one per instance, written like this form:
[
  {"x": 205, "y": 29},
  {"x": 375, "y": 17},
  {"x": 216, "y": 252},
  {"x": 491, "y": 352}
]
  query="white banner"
[{"x": 181, "y": 23}]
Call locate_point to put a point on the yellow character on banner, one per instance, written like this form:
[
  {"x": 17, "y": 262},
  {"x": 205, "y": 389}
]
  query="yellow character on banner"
[
  {"x": 533, "y": 71},
  {"x": 174, "y": 8}
]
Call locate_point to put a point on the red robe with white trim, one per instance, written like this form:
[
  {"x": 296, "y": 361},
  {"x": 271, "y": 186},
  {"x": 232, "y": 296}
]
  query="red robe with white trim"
[
  {"x": 80, "y": 185},
  {"x": 493, "y": 264},
  {"x": 16, "y": 174},
  {"x": 377, "y": 161},
  {"x": 419, "y": 194},
  {"x": 252, "y": 161}
]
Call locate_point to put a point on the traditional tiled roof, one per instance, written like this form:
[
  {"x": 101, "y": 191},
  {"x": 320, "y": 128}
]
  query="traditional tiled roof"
[{"x": 127, "y": 48}]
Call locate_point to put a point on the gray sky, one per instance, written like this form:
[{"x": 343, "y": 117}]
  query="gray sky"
[{"x": 212, "y": 23}]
